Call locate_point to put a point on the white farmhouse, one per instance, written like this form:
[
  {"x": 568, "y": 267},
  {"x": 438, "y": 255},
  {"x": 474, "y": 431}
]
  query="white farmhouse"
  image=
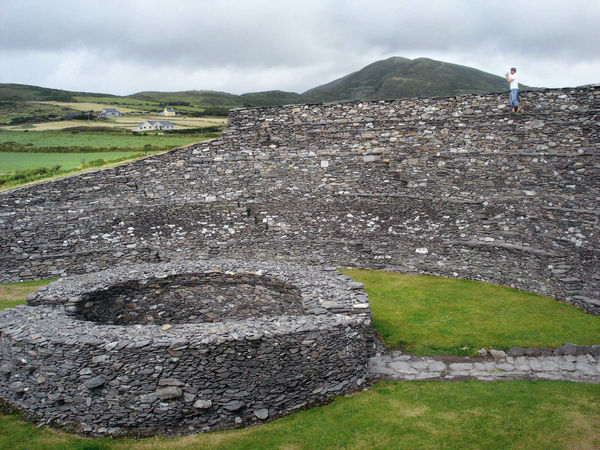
[
  {"x": 154, "y": 125},
  {"x": 109, "y": 112}
]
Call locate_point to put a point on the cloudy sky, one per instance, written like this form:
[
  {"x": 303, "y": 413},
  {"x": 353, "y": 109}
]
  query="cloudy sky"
[{"x": 127, "y": 46}]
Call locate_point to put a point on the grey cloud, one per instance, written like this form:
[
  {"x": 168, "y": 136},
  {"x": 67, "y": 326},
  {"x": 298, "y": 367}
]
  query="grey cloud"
[{"x": 318, "y": 40}]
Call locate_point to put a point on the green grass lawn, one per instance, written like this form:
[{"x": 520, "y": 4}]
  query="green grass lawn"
[
  {"x": 431, "y": 414},
  {"x": 434, "y": 315},
  {"x": 426, "y": 315}
]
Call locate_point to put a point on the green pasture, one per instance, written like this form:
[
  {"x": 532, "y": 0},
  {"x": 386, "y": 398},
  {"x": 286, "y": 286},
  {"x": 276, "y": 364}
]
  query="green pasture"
[
  {"x": 119, "y": 124},
  {"x": 92, "y": 140},
  {"x": 37, "y": 155},
  {"x": 14, "y": 109},
  {"x": 89, "y": 106},
  {"x": 130, "y": 102},
  {"x": 12, "y": 161},
  {"x": 159, "y": 102},
  {"x": 435, "y": 315}
]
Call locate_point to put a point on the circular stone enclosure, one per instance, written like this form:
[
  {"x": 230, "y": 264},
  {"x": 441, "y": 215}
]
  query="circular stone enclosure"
[
  {"x": 184, "y": 347},
  {"x": 190, "y": 298}
]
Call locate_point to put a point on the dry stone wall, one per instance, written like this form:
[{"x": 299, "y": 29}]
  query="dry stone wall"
[
  {"x": 454, "y": 186},
  {"x": 155, "y": 373}
]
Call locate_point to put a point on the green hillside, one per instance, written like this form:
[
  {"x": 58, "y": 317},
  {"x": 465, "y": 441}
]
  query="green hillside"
[
  {"x": 271, "y": 98},
  {"x": 24, "y": 92},
  {"x": 187, "y": 98},
  {"x": 220, "y": 99},
  {"x": 401, "y": 77}
]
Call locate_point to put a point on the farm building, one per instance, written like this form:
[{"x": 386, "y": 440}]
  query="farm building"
[
  {"x": 154, "y": 125},
  {"x": 168, "y": 112},
  {"x": 109, "y": 112}
]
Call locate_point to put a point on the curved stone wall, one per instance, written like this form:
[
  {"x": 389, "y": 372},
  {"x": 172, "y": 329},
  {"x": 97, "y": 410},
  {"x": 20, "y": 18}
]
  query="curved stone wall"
[
  {"x": 157, "y": 374},
  {"x": 452, "y": 186}
]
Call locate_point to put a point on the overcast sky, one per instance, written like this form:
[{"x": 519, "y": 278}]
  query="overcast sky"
[{"x": 237, "y": 46}]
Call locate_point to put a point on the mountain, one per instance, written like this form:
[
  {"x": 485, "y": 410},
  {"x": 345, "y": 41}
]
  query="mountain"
[
  {"x": 387, "y": 79},
  {"x": 401, "y": 77}
]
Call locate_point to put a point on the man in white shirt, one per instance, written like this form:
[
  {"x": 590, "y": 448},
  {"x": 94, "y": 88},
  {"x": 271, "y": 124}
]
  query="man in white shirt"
[{"x": 513, "y": 79}]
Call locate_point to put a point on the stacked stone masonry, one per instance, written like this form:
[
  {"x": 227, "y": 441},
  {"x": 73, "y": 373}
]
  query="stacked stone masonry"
[
  {"x": 65, "y": 360},
  {"x": 573, "y": 363},
  {"x": 453, "y": 186}
]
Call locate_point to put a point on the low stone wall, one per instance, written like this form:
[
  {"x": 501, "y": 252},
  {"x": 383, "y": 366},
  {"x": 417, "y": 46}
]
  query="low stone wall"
[
  {"x": 159, "y": 374},
  {"x": 452, "y": 186},
  {"x": 186, "y": 298}
]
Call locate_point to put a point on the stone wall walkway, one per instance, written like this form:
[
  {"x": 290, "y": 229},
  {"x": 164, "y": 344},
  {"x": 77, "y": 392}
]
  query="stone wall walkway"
[{"x": 571, "y": 367}]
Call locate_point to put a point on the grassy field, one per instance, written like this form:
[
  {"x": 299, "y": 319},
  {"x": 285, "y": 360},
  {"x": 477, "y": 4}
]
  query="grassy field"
[
  {"x": 180, "y": 122},
  {"x": 88, "y": 106},
  {"x": 12, "y": 161},
  {"x": 155, "y": 101},
  {"x": 432, "y": 414},
  {"x": 126, "y": 122},
  {"x": 12, "y": 110},
  {"x": 435, "y": 315},
  {"x": 31, "y": 156},
  {"x": 133, "y": 103},
  {"x": 98, "y": 141}
]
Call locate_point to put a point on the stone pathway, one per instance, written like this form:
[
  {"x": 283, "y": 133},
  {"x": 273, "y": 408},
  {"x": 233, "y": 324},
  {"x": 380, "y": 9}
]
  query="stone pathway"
[{"x": 397, "y": 366}]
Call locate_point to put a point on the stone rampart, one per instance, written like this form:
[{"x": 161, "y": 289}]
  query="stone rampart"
[{"x": 453, "y": 186}]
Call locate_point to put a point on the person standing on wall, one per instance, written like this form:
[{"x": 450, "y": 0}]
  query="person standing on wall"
[{"x": 513, "y": 79}]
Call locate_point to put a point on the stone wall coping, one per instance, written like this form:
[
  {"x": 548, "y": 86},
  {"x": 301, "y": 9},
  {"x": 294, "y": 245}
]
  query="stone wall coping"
[
  {"x": 418, "y": 99},
  {"x": 323, "y": 290},
  {"x": 53, "y": 326}
]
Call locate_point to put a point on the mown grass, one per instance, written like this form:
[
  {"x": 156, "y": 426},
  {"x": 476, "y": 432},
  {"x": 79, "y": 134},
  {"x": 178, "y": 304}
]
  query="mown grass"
[
  {"x": 434, "y": 315},
  {"x": 433, "y": 414}
]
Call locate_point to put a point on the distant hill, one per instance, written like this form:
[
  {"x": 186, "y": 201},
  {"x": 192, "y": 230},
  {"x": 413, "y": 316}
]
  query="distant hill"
[
  {"x": 387, "y": 79},
  {"x": 23, "y": 92},
  {"x": 401, "y": 77},
  {"x": 271, "y": 98},
  {"x": 209, "y": 98}
]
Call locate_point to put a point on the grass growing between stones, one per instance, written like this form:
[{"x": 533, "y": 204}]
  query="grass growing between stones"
[
  {"x": 432, "y": 414},
  {"x": 429, "y": 315}
]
